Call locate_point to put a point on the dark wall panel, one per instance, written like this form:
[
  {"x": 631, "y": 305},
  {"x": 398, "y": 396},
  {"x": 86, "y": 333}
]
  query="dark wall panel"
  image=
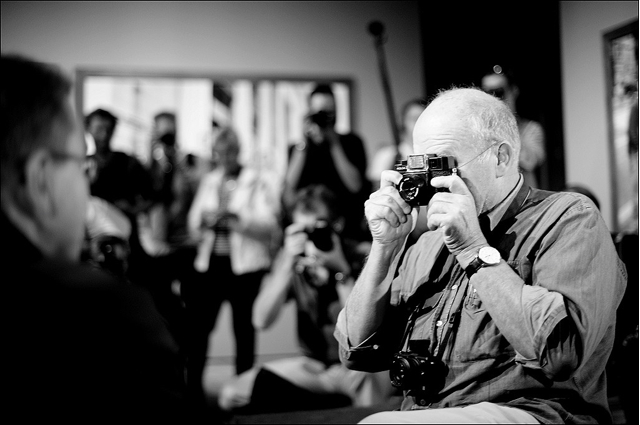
[{"x": 462, "y": 41}]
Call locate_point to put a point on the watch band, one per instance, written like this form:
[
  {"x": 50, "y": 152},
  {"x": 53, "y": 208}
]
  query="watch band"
[
  {"x": 487, "y": 256},
  {"x": 473, "y": 267}
]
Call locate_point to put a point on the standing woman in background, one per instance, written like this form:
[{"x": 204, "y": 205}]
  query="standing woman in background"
[{"x": 234, "y": 218}]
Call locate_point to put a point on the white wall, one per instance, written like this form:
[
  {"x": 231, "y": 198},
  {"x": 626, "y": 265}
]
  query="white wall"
[
  {"x": 315, "y": 38},
  {"x": 584, "y": 92}
]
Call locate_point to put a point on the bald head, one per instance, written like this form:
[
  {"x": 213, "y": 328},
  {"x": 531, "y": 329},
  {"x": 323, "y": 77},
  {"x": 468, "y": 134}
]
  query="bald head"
[
  {"x": 479, "y": 131},
  {"x": 485, "y": 119}
]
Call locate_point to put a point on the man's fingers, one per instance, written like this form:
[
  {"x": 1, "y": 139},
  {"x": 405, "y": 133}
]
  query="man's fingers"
[
  {"x": 453, "y": 183},
  {"x": 389, "y": 207},
  {"x": 389, "y": 178},
  {"x": 390, "y": 195}
]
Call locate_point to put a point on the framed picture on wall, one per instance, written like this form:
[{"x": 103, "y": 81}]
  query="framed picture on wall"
[
  {"x": 621, "y": 68},
  {"x": 266, "y": 111}
]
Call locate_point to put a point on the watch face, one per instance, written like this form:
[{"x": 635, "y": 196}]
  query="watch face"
[{"x": 489, "y": 255}]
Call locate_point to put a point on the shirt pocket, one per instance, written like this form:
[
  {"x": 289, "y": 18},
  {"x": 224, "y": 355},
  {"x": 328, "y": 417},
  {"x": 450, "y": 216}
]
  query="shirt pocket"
[
  {"x": 473, "y": 304},
  {"x": 479, "y": 337}
]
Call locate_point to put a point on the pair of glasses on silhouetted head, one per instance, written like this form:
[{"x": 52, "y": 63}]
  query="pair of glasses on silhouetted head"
[{"x": 497, "y": 92}]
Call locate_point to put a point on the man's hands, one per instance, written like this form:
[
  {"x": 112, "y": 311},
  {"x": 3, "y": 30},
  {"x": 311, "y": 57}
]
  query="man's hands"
[
  {"x": 455, "y": 213},
  {"x": 391, "y": 219}
]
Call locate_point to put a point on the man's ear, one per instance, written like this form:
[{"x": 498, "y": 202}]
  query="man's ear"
[
  {"x": 505, "y": 159},
  {"x": 37, "y": 197}
]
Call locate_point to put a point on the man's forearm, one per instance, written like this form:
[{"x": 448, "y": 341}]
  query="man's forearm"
[
  {"x": 512, "y": 304},
  {"x": 370, "y": 297},
  {"x": 500, "y": 289}
]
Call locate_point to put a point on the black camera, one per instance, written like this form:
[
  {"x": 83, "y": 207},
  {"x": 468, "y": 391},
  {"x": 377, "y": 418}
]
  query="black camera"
[
  {"x": 321, "y": 236},
  {"x": 418, "y": 170},
  {"x": 324, "y": 119},
  {"x": 424, "y": 376}
]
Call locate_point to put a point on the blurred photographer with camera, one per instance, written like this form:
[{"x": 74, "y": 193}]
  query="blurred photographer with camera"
[
  {"x": 314, "y": 268},
  {"x": 326, "y": 157},
  {"x": 505, "y": 309}
]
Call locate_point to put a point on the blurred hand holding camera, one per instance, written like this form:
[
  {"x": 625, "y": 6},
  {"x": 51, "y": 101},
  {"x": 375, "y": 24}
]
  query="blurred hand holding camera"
[
  {"x": 312, "y": 254},
  {"x": 294, "y": 240},
  {"x": 319, "y": 127},
  {"x": 333, "y": 259}
]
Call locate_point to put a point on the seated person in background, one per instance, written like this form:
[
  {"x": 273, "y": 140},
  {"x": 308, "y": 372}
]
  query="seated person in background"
[
  {"x": 508, "y": 302},
  {"x": 314, "y": 268},
  {"x": 83, "y": 346}
]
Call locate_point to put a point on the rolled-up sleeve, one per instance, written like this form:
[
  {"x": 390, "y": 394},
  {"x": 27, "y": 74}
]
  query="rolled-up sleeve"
[
  {"x": 577, "y": 283},
  {"x": 375, "y": 353}
]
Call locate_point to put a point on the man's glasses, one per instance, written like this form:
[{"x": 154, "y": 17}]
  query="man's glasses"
[
  {"x": 475, "y": 157},
  {"x": 498, "y": 92}
]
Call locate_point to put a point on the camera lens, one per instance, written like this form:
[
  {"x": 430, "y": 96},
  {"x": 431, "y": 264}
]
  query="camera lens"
[
  {"x": 401, "y": 372},
  {"x": 320, "y": 235},
  {"x": 409, "y": 188}
]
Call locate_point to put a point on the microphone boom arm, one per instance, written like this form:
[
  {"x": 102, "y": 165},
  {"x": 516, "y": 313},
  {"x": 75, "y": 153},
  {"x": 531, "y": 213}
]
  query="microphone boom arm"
[{"x": 377, "y": 30}]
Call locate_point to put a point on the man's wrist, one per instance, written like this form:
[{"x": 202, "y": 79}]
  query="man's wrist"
[
  {"x": 385, "y": 250},
  {"x": 467, "y": 255}
]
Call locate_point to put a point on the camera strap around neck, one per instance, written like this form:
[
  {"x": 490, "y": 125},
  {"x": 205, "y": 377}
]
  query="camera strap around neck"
[
  {"x": 447, "y": 269},
  {"x": 425, "y": 302}
]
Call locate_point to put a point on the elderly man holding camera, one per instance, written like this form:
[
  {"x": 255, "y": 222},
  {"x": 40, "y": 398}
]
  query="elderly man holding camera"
[{"x": 504, "y": 310}]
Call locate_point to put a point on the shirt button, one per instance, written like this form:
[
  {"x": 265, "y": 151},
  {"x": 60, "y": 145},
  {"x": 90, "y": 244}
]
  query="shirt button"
[
  {"x": 454, "y": 287},
  {"x": 439, "y": 323}
]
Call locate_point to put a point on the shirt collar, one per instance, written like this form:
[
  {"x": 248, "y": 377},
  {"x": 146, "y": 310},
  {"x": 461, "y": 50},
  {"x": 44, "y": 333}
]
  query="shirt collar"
[{"x": 496, "y": 214}]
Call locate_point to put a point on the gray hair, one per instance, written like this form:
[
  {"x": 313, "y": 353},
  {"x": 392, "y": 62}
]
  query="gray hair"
[{"x": 489, "y": 119}]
